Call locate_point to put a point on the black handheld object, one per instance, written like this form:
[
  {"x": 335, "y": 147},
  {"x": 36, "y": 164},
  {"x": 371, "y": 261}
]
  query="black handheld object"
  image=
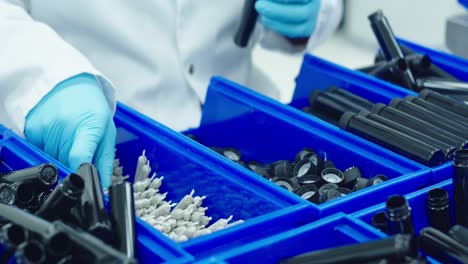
[
  {"x": 395, "y": 248},
  {"x": 93, "y": 214},
  {"x": 123, "y": 217},
  {"x": 460, "y": 186},
  {"x": 247, "y": 24},
  {"x": 64, "y": 197}
]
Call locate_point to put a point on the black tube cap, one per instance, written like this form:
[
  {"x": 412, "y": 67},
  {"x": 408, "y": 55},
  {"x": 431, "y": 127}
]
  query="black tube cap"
[
  {"x": 305, "y": 167},
  {"x": 311, "y": 179},
  {"x": 379, "y": 178},
  {"x": 308, "y": 192},
  {"x": 359, "y": 184},
  {"x": 351, "y": 174},
  {"x": 258, "y": 168},
  {"x": 284, "y": 182},
  {"x": 332, "y": 175},
  {"x": 282, "y": 168}
]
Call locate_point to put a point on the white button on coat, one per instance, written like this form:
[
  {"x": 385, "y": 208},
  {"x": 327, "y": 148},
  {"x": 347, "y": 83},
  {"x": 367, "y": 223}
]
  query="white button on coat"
[{"x": 158, "y": 55}]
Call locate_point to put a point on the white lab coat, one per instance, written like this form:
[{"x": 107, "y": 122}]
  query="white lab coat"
[{"x": 158, "y": 55}]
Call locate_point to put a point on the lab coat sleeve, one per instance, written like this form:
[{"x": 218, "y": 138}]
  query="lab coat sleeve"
[
  {"x": 33, "y": 60},
  {"x": 329, "y": 17}
]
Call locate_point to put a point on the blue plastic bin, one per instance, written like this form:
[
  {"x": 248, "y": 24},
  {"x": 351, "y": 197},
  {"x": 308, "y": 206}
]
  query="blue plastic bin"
[
  {"x": 230, "y": 190},
  {"x": 318, "y": 74},
  {"x": 265, "y": 130},
  {"x": 333, "y": 231},
  {"x": 16, "y": 153},
  {"x": 417, "y": 201}
]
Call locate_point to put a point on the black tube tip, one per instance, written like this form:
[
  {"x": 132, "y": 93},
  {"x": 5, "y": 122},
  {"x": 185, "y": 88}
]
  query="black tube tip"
[
  {"x": 49, "y": 174},
  {"x": 437, "y": 198},
  {"x": 376, "y": 16},
  {"x": 460, "y": 157},
  {"x": 33, "y": 252},
  {"x": 397, "y": 207}
]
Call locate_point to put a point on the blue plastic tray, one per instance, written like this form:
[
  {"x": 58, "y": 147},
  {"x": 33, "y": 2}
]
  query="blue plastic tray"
[
  {"x": 464, "y": 3},
  {"x": 230, "y": 189},
  {"x": 318, "y": 74},
  {"x": 417, "y": 201},
  {"x": 16, "y": 153},
  {"x": 333, "y": 231},
  {"x": 265, "y": 130}
]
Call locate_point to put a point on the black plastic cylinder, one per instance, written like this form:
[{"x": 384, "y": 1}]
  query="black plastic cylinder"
[
  {"x": 460, "y": 234},
  {"x": 93, "y": 214},
  {"x": 379, "y": 221},
  {"x": 419, "y": 125},
  {"x": 31, "y": 252},
  {"x": 442, "y": 247},
  {"x": 395, "y": 249},
  {"x": 445, "y": 102},
  {"x": 328, "y": 107},
  {"x": 443, "y": 86},
  {"x": 247, "y": 24},
  {"x": 438, "y": 209},
  {"x": 13, "y": 235},
  {"x": 460, "y": 186},
  {"x": 419, "y": 112},
  {"x": 44, "y": 176},
  {"x": 392, "y": 139},
  {"x": 398, "y": 213},
  {"x": 364, "y": 103},
  {"x": 389, "y": 45},
  {"x": 448, "y": 149},
  {"x": 64, "y": 197},
  {"x": 123, "y": 217},
  {"x": 438, "y": 110}
]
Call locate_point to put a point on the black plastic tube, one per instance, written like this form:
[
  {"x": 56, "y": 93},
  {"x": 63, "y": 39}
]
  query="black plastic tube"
[
  {"x": 395, "y": 248},
  {"x": 419, "y": 125},
  {"x": 31, "y": 252},
  {"x": 441, "y": 247},
  {"x": 7, "y": 194},
  {"x": 329, "y": 107},
  {"x": 25, "y": 193},
  {"x": 96, "y": 249},
  {"x": 447, "y": 149},
  {"x": 437, "y": 109},
  {"x": 392, "y": 139},
  {"x": 64, "y": 197},
  {"x": 247, "y": 24},
  {"x": 93, "y": 214},
  {"x": 43, "y": 176},
  {"x": 443, "y": 86},
  {"x": 389, "y": 46},
  {"x": 379, "y": 57},
  {"x": 364, "y": 103},
  {"x": 419, "y": 112},
  {"x": 438, "y": 209},
  {"x": 379, "y": 221},
  {"x": 55, "y": 239},
  {"x": 460, "y": 186},
  {"x": 13, "y": 235},
  {"x": 460, "y": 234},
  {"x": 445, "y": 102},
  {"x": 398, "y": 213},
  {"x": 123, "y": 217}
]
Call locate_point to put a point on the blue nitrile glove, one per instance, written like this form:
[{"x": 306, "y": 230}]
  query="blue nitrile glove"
[
  {"x": 73, "y": 123},
  {"x": 291, "y": 18}
]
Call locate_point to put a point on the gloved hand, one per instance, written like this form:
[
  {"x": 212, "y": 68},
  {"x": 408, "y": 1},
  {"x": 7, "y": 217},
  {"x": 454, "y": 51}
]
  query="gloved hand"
[
  {"x": 73, "y": 123},
  {"x": 291, "y": 18}
]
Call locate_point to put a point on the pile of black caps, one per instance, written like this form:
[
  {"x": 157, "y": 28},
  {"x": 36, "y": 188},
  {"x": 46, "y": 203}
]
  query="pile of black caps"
[
  {"x": 67, "y": 225},
  {"x": 428, "y": 128},
  {"x": 310, "y": 176}
]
